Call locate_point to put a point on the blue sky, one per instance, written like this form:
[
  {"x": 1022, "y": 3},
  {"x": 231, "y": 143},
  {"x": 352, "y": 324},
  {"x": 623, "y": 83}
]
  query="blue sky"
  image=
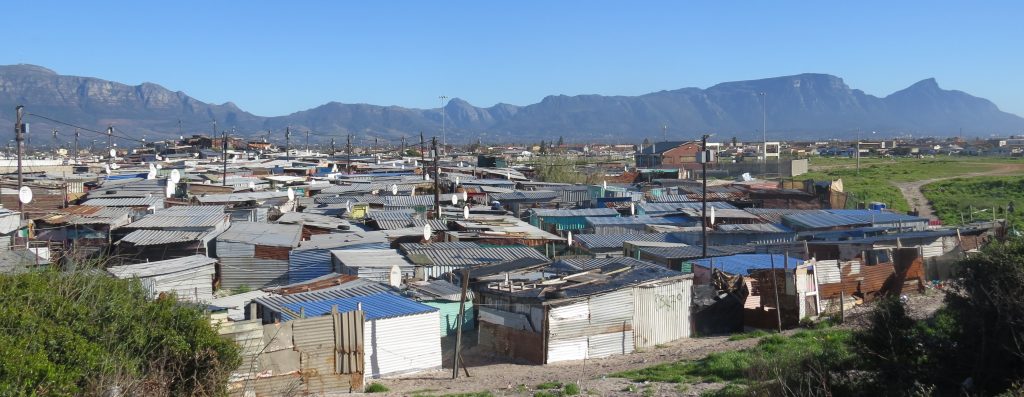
[{"x": 275, "y": 58}]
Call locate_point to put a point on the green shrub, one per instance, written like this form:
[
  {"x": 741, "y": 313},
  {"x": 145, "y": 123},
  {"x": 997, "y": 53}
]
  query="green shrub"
[
  {"x": 572, "y": 389},
  {"x": 549, "y": 386},
  {"x": 376, "y": 388},
  {"x": 85, "y": 333}
]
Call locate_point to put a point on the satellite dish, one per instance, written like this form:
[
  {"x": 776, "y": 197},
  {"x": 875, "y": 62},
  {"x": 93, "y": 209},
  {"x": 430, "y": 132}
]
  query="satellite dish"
[
  {"x": 252, "y": 185},
  {"x": 25, "y": 195},
  {"x": 632, "y": 208},
  {"x": 158, "y": 157},
  {"x": 152, "y": 174},
  {"x": 712, "y": 215},
  {"x": 395, "y": 276},
  {"x": 465, "y": 196},
  {"x": 106, "y": 168},
  {"x": 465, "y": 212},
  {"x": 175, "y": 176},
  {"x": 416, "y": 163},
  {"x": 334, "y": 168},
  {"x": 508, "y": 174},
  {"x": 159, "y": 167},
  {"x": 460, "y": 164},
  {"x": 412, "y": 192},
  {"x": 426, "y": 177},
  {"x": 458, "y": 180},
  {"x": 569, "y": 239},
  {"x": 455, "y": 199},
  {"x": 170, "y": 190},
  {"x": 291, "y": 194},
  {"x": 113, "y": 153},
  {"x": 115, "y": 166},
  {"x": 427, "y": 232},
  {"x": 394, "y": 190},
  {"x": 604, "y": 184},
  {"x": 348, "y": 205},
  {"x": 403, "y": 166}
]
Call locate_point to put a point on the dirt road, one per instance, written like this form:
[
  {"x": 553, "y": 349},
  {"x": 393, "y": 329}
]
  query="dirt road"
[{"x": 915, "y": 198}]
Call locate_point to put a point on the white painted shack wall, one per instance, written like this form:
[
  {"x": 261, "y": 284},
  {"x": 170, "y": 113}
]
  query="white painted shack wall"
[
  {"x": 661, "y": 313},
  {"x": 193, "y": 285},
  {"x": 566, "y": 327},
  {"x": 932, "y": 249},
  {"x": 402, "y": 345}
]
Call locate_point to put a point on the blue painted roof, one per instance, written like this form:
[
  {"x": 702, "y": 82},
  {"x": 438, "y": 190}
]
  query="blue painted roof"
[
  {"x": 875, "y": 216},
  {"x": 744, "y": 263},
  {"x": 375, "y": 306}
]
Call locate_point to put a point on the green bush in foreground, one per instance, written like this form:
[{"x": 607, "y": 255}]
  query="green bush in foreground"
[
  {"x": 85, "y": 333},
  {"x": 377, "y": 388}
]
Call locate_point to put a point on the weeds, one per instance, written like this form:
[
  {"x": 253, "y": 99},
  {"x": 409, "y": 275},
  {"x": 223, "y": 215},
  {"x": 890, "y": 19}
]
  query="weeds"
[{"x": 377, "y": 388}]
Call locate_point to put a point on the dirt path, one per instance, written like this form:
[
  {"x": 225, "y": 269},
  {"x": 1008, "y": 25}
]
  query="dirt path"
[{"x": 911, "y": 191}]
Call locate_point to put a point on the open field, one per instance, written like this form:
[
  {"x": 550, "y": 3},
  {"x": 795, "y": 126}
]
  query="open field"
[
  {"x": 955, "y": 199},
  {"x": 878, "y": 178}
]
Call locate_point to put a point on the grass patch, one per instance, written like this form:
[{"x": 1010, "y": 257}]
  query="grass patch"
[
  {"x": 478, "y": 394},
  {"x": 749, "y": 366},
  {"x": 873, "y": 181},
  {"x": 954, "y": 197},
  {"x": 548, "y": 393},
  {"x": 572, "y": 389},
  {"x": 549, "y": 386},
  {"x": 377, "y": 388},
  {"x": 729, "y": 390},
  {"x": 748, "y": 335}
]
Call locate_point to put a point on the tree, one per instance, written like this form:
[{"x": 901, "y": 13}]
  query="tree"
[
  {"x": 734, "y": 142},
  {"x": 543, "y": 147},
  {"x": 560, "y": 141}
]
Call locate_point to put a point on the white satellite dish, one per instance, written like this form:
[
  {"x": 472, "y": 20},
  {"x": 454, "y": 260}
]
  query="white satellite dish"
[
  {"x": 457, "y": 181},
  {"x": 416, "y": 163},
  {"x": 378, "y": 161},
  {"x": 113, "y": 153},
  {"x": 427, "y": 232},
  {"x": 455, "y": 199},
  {"x": 465, "y": 196},
  {"x": 460, "y": 164},
  {"x": 426, "y": 177},
  {"x": 159, "y": 167},
  {"x": 151, "y": 174},
  {"x": 170, "y": 190},
  {"x": 569, "y": 239},
  {"x": 604, "y": 184},
  {"x": 712, "y": 215},
  {"x": 291, "y": 194},
  {"x": 403, "y": 166},
  {"x": 115, "y": 166},
  {"x": 465, "y": 212},
  {"x": 175, "y": 176},
  {"x": 394, "y": 190},
  {"x": 395, "y": 276},
  {"x": 348, "y": 205},
  {"x": 106, "y": 168},
  {"x": 632, "y": 208},
  {"x": 252, "y": 185},
  {"x": 25, "y": 195},
  {"x": 412, "y": 192},
  {"x": 508, "y": 175},
  {"x": 158, "y": 157}
]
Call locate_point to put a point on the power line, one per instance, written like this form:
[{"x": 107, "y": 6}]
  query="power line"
[{"x": 103, "y": 133}]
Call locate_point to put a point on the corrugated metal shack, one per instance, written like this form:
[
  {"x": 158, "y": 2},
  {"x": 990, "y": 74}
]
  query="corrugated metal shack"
[
  {"x": 628, "y": 224},
  {"x": 445, "y": 297},
  {"x": 574, "y": 310},
  {"x": 256, "y": 254},
  {"x": 611, "y": 245},
  {"x": 401, "y": 336},
  {"x": 174, "y": 232},
  {"x": 556, "y": 220},
  {"x": 313, "y": 224},
  {"x": 436, "y": 259},
  {"x": 190, "y": 278},
  {"x": 381, "y": 265},
  {"x": 313, "y": 258}
]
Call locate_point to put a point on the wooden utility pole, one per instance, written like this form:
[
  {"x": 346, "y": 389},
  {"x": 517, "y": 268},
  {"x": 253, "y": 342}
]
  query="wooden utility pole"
[
  {"x": 307, "y": 142},
  {"x": 19, "y": 136},
  {"x": 437, "y": 186},
  {"x": 458, "y": 327},
  {"x": 775, "y": 285},
  {"x": 110, "y": 138},
  {"x": 77, "y": 134},
  {"x": 332, "y": 146},
  {"x": 287, "y": 142},
  {"x": 348, "y": 153},
  {"x": 704, "y": 195},
  {"x": 423, "y": 156},
  {"x": 224, "y": 154}
]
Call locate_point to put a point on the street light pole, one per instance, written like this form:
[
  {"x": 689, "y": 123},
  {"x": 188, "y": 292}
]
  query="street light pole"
[
  {"x": 444, "y": 139},
  {"x": 764, "y": 125}
]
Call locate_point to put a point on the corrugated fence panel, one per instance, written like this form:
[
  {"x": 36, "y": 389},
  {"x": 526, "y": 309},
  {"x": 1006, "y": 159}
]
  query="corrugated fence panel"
[
  {"x": 932, "y": 249},
  {"x": 567, "y": 349},
  {"x": 314, "y": 334},
  {"x": 304, "y": 265},
  {"x": 349, "y": 342},
  {"x": 251, "y": 272},
  {"x": 402, "y": 345},
  {"x": 569, "y": 321},
  {"x": 449, "y": 313},
  {"x": 661, "y": 313},
  {"x": 611, "y": 323}
]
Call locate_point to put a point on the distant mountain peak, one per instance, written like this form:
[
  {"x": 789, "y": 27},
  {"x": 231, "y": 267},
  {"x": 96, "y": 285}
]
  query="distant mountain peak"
[
  {"x": 25, "y": 67},
  {"x": 928, "y": 83}
]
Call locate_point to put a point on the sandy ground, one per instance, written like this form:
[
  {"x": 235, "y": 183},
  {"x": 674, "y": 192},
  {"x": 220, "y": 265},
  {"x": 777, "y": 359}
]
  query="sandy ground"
[
  {"x": 508, "y": 379},
  {"x": 915, "y": 198}
]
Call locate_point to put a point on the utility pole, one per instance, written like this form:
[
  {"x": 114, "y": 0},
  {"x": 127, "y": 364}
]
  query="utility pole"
[
  {"x": 444, "y": 139},
  {"x": 403, "y": 146},
  {"x": 224, "y": 154},
  {"x": 332, "y": 146},
  {"x": 307, "y": 142},
  {"x": 423, "y": 156},
  {"x": 287, "y": 142},
  {"x": 664, "y": 132},
  {"x": 56, "y": 145},
  {"x": 461, "y": 319},
  {"x": 77, "y": 134},
  {"x": 348, "y": 153},
  {"x": 19, "y": 136},
  {"x": 704, "y": 195},
  {"x": 437, "y": 186}
]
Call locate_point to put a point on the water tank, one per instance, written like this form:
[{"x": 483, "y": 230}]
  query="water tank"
[{"x": 876, "y": 206}]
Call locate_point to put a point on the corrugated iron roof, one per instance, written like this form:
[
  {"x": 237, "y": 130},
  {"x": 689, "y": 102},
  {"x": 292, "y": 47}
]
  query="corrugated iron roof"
[
  {"x": 663, "y": 208},
  {"x": 150, "y": 269},
  {"x": 745, "y": 263},
  {"x": 520, "y": 195},
  {"x": 320, "y": 221},
  {"x": 376, "y": 307},
  {"x": 476, "y": 256},
  {"x": 578, "y": 264},
  {"x": 751, "y": 227},
  {"x": 357, "y": 287},
  {"x": 384, "y": 258},
  {"x": 158, "y": 220},
  {"x": 817, "y": 219},
  {"x": 875, "y": 217},
  {"x": 241, "y": 197},
  {"x": 438, "y": 290},
  {"x": 695, "y": 251},
  {"x": 268, "y": 234},
  {"x": 629, "y": 220},
  {"x": 158, "y": 237},
  {"x": 125, "y": 202},
  {"x": 598, "y": 241},
  {"x": 541, "y": 212}
]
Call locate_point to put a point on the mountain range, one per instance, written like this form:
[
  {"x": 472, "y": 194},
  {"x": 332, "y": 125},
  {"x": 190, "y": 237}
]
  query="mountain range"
[{"x": 805, "y": 106}]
